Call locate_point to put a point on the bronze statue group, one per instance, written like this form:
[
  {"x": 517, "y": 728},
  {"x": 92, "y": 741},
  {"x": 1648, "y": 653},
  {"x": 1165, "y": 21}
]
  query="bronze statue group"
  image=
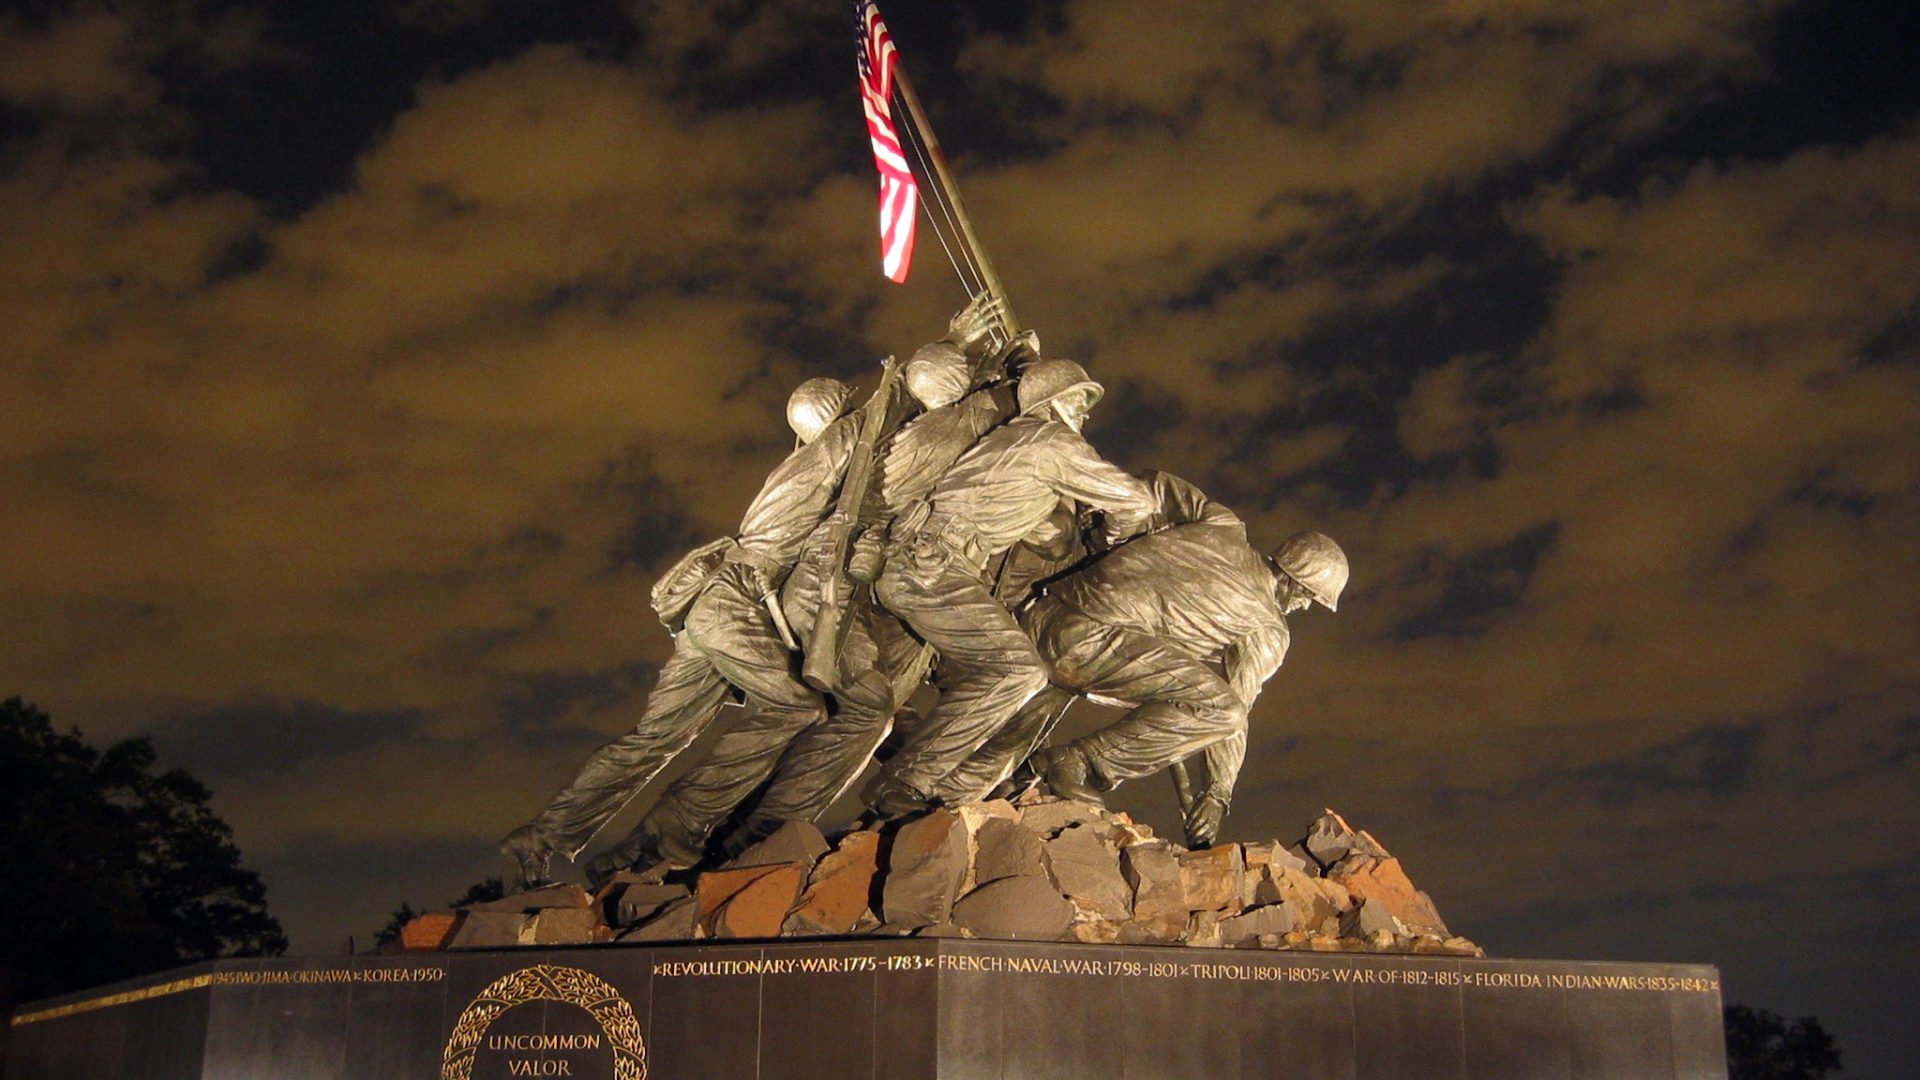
[{"x": 958, "y": 529}]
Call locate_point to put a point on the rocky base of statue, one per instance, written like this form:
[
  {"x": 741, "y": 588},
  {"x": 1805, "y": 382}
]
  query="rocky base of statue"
[{"x": 1039, "y": 869}]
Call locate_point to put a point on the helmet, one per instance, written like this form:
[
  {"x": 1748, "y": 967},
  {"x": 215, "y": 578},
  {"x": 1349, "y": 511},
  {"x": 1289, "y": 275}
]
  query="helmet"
[
  {"x": 1317, "y": 563},
  {"x": 1045, "y": 381},
  {"x": 815, "y": 404},
  {"x": 938, "y": 375}
]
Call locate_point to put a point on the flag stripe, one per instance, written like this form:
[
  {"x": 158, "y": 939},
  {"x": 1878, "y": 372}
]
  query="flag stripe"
[{"x": 899, "y": 193}]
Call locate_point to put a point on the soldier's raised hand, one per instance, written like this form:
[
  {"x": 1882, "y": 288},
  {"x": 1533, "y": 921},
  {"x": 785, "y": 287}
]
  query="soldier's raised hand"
[{"x": 970, "y": 328}]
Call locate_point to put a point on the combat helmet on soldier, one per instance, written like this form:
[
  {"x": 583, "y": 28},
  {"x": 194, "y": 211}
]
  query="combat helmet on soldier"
[
  {"x": 938, "y": 375},
  {"x": 1314, "y": 562},
  {"x": 1047, "y": 382},
  {"x": 814, "y": 405}
]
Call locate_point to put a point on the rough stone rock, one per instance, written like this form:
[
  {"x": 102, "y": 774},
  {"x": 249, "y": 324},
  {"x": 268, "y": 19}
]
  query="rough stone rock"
[
  {"x": 1210, "y": 878},
  {"x": 1367, "y": 918},
  {"x": 1330, "y": 839},
  {"x": 760, "y": 908},
  {"x": 1274, "y": 920},
  {"x": 1021, "y": 908},
  {"x": 1159, "y": 902},
  {"x": 1036, "y": 868},
  {"x": 673, "y": 922},
  {"x": 633, "y": 902},
  {"x": 1007, "y": 849},
  {"x": 1384, "y": 882},
  {"x": 1335, "y": 894},
  {"x": 611, "y": 888},
  {"x": 716, "y": 887},
  {"x": 1030, "y": 795},
  {"x": 925, "y": 868},
  {"x": 1351, "y": 863},
  {"x": 1203, "y": 930},
  {"x": 547, "y": 896},
  {"x": 945, "y": 929},
  {"x": 793, "y": 842},
  {"x": 1095, "y": 931},
  {"x": 1087, "y": 870},
  {"x": 1258, "y": 887},
  {"x": 428, "y": 932},
  {"x": 490, "y": 929},
  {"x": 975, "y": 815},
  {"x": 1274, "y": 853},
  {"x": 1048, "y": 818},
  {"x": 1307, "y": 893},
  {"x": 565, "y": 926},
  {"x": 841, "y": 888}
]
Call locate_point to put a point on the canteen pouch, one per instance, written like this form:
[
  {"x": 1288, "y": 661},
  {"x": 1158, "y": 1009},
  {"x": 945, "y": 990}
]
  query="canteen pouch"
[{"x": 680, "y": 586}]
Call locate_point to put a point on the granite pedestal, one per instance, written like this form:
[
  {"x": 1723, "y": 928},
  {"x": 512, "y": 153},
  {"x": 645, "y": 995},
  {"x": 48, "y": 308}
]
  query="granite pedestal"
[{"x": 886, "y": 1009}]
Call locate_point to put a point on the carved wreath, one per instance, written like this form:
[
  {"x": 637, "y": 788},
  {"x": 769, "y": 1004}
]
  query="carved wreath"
[{"x": 549, "y": 982}]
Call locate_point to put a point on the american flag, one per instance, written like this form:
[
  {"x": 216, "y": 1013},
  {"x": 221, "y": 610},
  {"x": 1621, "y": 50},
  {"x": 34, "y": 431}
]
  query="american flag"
[{"x": 899, "y": 195}]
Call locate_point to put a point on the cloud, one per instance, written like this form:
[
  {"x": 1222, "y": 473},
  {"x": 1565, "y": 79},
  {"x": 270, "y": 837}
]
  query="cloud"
[
  {"x": 399, "y": 450},
  {"x": 74, "y": 64},
  {"x": 357, "y": 506}
]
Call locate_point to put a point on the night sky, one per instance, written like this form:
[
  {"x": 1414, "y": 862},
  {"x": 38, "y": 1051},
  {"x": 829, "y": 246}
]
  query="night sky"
[{"x": 362, "y": 364}]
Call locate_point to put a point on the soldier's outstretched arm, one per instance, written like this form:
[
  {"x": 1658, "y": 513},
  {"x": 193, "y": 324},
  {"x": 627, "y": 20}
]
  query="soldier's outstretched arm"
[
  {"x": 1182, "y": 503},
  {"x": 1077, "y": 471},
  {"x": 1249, "y": 662},
  {"x": 1209, "y": 807}
]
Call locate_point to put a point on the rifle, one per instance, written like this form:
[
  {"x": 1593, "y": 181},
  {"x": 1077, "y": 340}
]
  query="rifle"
[{"x": 821, "y": 669}]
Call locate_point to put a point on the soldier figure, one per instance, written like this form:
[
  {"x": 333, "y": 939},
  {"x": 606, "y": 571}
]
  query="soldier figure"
[
  {"x": 728, "y": 639},
  {"x": 1003, "y": 489},
  {"x": 1155, "y": 623},
  {"x": 810, "y": 764}
]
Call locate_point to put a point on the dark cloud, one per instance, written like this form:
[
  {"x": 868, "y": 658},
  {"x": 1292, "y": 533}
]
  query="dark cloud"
[
  {"x": 1717, "y": 760},
  {"x": 1476, "y": 586},
  {"x": 546, "y": 696},
  {"x": 269, "y": 736},
  {"x": 365, "y": 365}
]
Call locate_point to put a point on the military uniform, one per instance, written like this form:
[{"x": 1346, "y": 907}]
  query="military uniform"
[
  {"x": 1184, "y": 624},
  {"x": 806, "y": 762},
  {"x": 998, "y": 493},
  {"x": 728, "y": 640}
]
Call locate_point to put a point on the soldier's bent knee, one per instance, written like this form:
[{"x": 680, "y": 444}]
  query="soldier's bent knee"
[{"x": 1031, "y": 672}]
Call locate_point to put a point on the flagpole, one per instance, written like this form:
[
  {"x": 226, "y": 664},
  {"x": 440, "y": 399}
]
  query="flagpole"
[{"x": 951, "y": 191}]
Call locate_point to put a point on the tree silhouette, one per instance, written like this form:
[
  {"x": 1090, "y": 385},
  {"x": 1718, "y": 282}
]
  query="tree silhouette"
[
  {"x": 1763, "y": 1046},
  {"x": 114, "y": 869}
]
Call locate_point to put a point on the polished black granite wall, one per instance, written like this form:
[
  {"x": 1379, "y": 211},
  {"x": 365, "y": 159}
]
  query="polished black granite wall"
[{"x": 859, "y": 1009}]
